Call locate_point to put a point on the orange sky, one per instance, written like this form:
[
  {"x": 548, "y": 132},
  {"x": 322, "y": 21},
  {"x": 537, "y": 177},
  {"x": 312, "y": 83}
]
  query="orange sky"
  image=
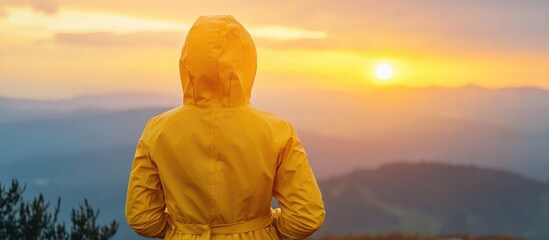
[{"x": 58, "y": 49}]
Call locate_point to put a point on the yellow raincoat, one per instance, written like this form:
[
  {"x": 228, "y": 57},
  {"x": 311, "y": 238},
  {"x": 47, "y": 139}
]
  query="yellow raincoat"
[{"x": 209, "y": 168}]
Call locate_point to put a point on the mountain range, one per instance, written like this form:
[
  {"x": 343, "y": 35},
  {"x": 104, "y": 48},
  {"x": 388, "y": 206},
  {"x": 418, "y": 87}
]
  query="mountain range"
[{"x": 83, "y": 147}]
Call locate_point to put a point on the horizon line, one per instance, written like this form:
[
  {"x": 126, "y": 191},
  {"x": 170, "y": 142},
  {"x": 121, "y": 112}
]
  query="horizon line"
[{"x": 396, "y": 86}]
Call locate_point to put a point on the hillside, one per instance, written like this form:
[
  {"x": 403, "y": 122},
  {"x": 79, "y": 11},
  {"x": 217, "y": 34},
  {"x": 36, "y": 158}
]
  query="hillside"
[{"x": 434, "y": 198}]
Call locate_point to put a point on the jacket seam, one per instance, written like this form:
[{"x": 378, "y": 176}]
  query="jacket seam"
[
  {"x": 212, "y": 177},
  {"x": 213, "y": 207}
]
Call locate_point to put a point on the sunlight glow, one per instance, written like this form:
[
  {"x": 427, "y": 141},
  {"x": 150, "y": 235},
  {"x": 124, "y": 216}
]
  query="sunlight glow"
[
  {"x": 384, "y": 71},
  {"x": 136, "y": 49}
]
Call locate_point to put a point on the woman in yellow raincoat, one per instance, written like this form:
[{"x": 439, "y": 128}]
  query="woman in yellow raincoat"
[{"x": 209, "y": 168}]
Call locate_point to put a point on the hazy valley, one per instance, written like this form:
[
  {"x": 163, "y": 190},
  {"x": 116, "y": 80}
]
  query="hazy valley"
[{"x": 83, "y": 147}]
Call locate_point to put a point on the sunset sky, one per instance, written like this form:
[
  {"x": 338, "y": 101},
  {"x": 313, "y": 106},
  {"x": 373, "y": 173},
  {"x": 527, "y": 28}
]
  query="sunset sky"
[{"x": 59, "y": 49}]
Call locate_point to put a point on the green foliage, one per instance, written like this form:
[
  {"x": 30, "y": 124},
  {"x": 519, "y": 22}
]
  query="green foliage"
[
  {"x": 85, "y": 227},
  {"x": 21, "y": 219}
]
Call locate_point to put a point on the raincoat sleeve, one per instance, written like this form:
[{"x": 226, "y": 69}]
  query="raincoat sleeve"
[
  {"x": 145, "y": 206},
  {"x": 301, "y": 210}
]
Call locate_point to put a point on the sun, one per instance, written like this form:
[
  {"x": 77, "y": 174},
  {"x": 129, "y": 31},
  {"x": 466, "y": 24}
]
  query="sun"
[{"x": 384, "y": 71}]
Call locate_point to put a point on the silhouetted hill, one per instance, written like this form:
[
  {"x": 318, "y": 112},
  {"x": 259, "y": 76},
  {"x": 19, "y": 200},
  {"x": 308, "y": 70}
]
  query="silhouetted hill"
[{"x": 436, "y": 198}]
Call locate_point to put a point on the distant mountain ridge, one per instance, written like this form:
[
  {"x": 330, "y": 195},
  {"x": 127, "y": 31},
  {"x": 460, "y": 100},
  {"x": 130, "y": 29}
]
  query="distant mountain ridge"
[
  {"x": 502, "y": 128},
  {"x": 108, "y": 101},
  {"x": 12, "y": 109},
  {"x": 40, "y": 139},
  {"x": 138, "y": 100}
]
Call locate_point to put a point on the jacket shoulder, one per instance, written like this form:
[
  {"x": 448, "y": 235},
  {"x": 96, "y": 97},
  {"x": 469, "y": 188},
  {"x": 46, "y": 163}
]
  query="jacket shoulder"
[
  {"x": 164, "y": 116},
  {"x": 269, "y": 117},
  {"x": 278, "y": 125},
  {"x": 156, "y": 124}
]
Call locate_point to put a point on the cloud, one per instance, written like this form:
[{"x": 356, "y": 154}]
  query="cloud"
[
  {"x": 109, "y": 39},
  {"x": 78, "y": 21},
  {"x": 90, "y": 26},
  {"x": 279, "y": 32},
  {"x": 292, "y": 38},
  {"x": 44, "y": 6}
]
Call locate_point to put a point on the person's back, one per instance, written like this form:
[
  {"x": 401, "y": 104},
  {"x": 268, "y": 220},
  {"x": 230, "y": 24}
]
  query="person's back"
[{"x": 210, "y": 168}]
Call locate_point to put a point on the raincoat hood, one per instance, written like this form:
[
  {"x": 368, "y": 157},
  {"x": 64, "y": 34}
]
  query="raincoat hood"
[{"x": 218, "y": 63}]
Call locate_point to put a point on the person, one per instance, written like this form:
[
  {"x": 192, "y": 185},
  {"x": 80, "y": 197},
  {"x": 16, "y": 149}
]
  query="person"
[{"x": 209, "y": 168}]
